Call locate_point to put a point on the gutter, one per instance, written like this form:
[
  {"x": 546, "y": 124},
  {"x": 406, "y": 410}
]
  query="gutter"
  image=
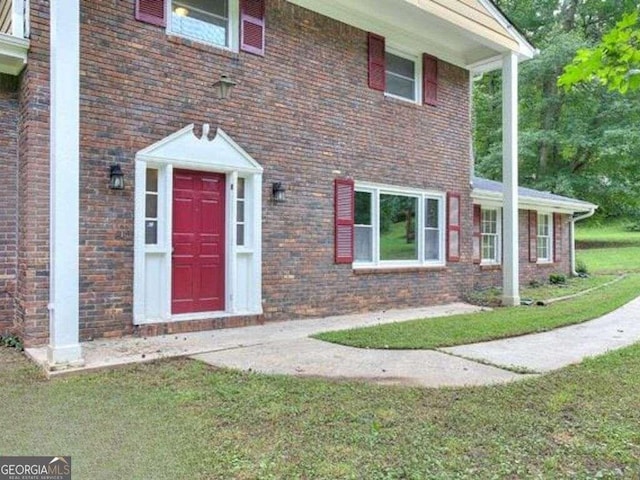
[{"x": 572, "y": 239}]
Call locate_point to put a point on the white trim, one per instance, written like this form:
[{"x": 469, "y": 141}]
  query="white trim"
[
  {"x": 64, "y": 248},
  {"x": 417, "y": 76},
  {"x": 233, "y": 28},
  {"x": 231, "y": 241},
  {"x": 13, "y": 54},
  {"x": 183, "y": 149},
  {"x": 527, "y": 50},
  {"x": 17, "y": 18},
  {"x": 510, "y": 243},
  {"x": 421, "y": 196},
  {"x": 498, "y": 235},
  {"x": 550, "y": 236},
  {"x": 531, "y": 203}
]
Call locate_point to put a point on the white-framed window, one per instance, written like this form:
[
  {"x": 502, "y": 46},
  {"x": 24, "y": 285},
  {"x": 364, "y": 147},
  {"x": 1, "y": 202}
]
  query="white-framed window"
[
  {"x": 398, "y": 227},
  {"x": 209, "y": 21},
  {"x": 545, "y": 240},
  {"x": 151, "y": 214},
  {"x": 490, "y": 230},
  {"x": 240, "y": 213},
  {"x": 403, "y": 76}
]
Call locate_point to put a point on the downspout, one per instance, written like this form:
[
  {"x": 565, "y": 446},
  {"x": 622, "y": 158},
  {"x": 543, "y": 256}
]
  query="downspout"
[{"x": 572, "y": 240}]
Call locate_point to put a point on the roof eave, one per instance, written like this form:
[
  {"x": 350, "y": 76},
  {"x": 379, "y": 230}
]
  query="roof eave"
[{"x": 524, "y": 202}]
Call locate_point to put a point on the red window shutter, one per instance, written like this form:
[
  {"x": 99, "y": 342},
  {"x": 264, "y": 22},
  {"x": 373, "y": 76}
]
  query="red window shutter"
[
  {"x": 252, "y": 26},
  {"x": 345, "y": 207},
  {"x": 557, "y": 237},
  {"x": 430, "y": 80},
  {"x": 477, "y": 233},
  {"x": 533, "y": 236},
  {"x": 377, "y": 64},
  {"x": 453, "y": 227},
  {"x": 151, "y": 11}
]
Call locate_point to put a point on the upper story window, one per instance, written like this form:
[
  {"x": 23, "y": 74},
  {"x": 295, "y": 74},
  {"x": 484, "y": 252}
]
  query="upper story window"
[
  {"x": 401, "y": 77},
  {"x": 490, "y": 235},
  {"x": 209, "y": 21},
  {"x": 544, "y": 240}
]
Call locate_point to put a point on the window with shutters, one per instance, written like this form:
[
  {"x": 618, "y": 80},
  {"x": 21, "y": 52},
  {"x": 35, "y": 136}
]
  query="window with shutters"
[
  {"x": 208, "y": 21},
  {"x": 398, "y": 227},
  {"x": 544, "y": 238},
  {"x": 402, "y": 76},
  {"x": 490, "y": 229}
]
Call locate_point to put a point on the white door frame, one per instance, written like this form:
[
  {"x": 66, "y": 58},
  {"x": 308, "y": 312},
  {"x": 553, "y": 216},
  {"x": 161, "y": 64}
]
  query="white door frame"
[{"x": 152, "y": 263}]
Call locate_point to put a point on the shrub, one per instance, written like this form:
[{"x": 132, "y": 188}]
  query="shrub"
[
  {"x": 581, "y": 268},
  {"x": 12, "y": 341},
  {"x": 557, "y": 279}
]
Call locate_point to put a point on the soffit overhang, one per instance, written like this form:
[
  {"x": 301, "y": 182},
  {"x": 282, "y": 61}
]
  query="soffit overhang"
[
  {"x": 13, "y": 54},
  {"x": 471, "y": 34}
]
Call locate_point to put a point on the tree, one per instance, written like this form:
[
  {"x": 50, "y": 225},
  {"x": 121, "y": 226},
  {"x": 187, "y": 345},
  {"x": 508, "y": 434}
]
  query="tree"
[
  {"x": 582, "y": 142},
  {"x": 615, "y": 62}
]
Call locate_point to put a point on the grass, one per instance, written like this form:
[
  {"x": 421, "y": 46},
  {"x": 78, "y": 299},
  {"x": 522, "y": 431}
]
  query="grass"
[
  {"x": 547, "y": 291},
  {"x": 611, "y": 233},
  {"x": 500, "y": 323},
  {"x": 611, "y": 260},
  {"x": 182, "y": 419}
]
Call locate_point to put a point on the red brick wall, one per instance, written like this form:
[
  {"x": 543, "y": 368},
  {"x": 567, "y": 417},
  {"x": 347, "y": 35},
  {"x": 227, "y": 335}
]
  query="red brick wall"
[
  {"x": 8, "y": 199},
  {"x": 33, "y": 184},
  {"x": 303, "y": 111},
  {"x": 492, "y": 276}
]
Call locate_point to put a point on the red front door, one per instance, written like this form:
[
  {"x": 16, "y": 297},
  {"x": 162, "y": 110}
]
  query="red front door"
[{"x": 198, "y": 242}]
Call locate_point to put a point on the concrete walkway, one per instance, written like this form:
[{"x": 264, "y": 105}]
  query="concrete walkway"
[
  {"x": 543, "y": 352},
  {"x": 284, "y": 348}
]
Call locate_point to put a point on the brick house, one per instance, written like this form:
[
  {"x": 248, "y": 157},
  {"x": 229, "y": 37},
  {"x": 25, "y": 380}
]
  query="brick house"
[{"x": 357, "y": 117}]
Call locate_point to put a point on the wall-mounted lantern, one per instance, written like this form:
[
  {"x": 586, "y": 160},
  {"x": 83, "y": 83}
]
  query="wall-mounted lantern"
[
  {"x": 278, "y": 192},
  {"x": 223, "y": 87},
  {"x": 116, "y": 177}
]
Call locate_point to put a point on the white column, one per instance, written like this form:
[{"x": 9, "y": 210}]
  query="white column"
[
  {"x": 510, "y": 272},
  {"x": 64, "y": 347},
  {"x": 17, "y": 18}
]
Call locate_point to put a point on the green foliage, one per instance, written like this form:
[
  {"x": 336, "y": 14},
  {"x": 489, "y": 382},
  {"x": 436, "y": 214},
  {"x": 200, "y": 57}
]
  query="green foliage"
[
  {"x": 615, "y": 62},
  {"x": 12, "y": 341},
  {"x": 557, "y": 279},
  {"x": 581, "y": 267},
  {"x": 581, "y": 143}
]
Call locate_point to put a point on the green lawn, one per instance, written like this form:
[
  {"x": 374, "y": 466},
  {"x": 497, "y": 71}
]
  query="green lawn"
[
  {"x": 183, "y": 420},
  {"x": 612, "y": 232},
  {"x": 611, "y": 260},
  {"x": 500, "y": 323}
]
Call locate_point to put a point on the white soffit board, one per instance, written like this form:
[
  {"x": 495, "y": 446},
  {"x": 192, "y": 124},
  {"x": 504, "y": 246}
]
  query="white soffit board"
[{"x": 462, "y": 32}]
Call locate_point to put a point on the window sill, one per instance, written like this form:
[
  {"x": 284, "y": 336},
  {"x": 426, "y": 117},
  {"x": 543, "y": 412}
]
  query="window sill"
[
  {"x": 490, "y": 266},
  {"x": 204, "y": 47},
  {"x": 402, "y": 100},
  {"x": 384, "y": 270}
]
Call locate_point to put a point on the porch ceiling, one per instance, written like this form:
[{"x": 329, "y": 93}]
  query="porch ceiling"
[{"x": 467, "y": 33}]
